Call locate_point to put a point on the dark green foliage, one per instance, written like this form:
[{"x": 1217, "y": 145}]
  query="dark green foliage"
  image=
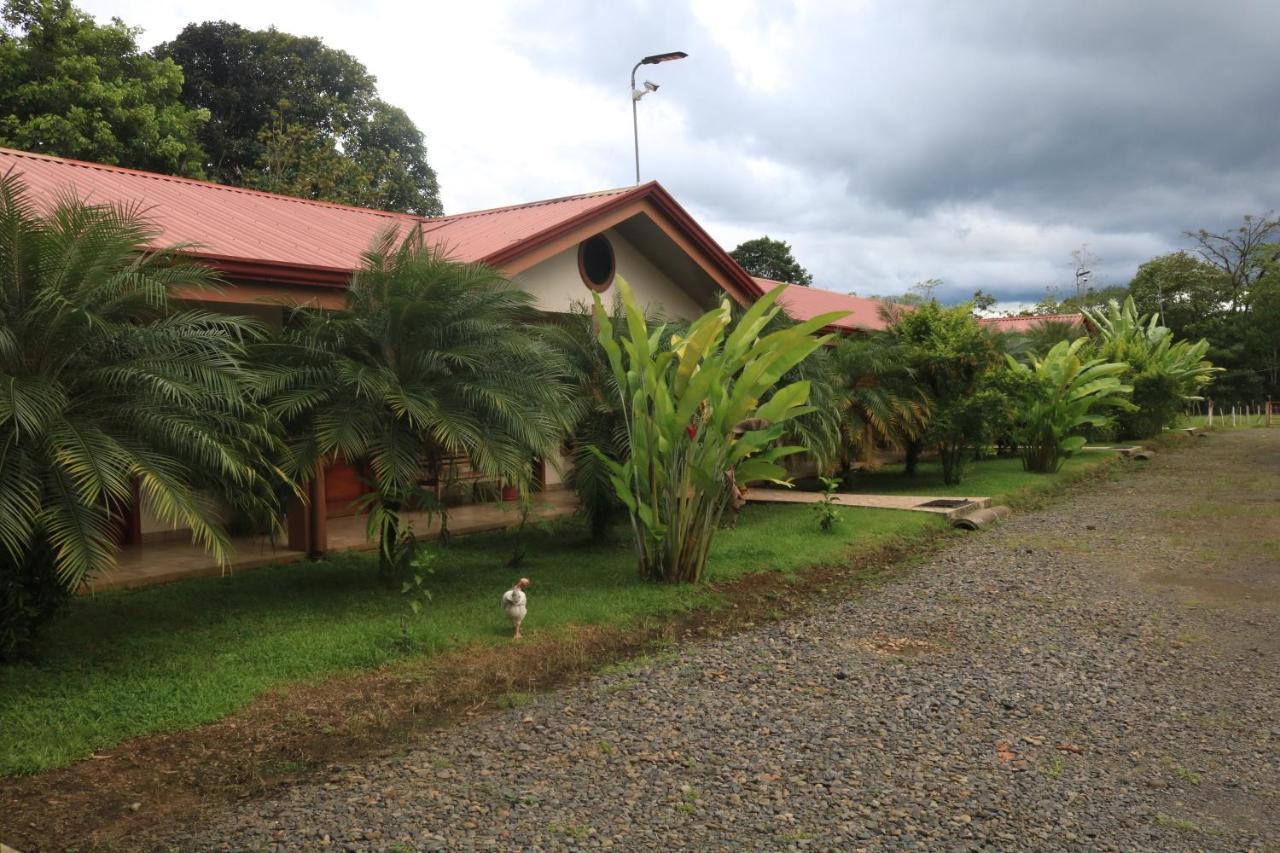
[
  {"x": 876, "y": 398},
  {"x": 289, "y": 114},
  {"x": 599, "y": 430},
  {"x": 30, "y": 596},
  {"x": 1165, "y": 373},
  {"x": 111, "y": 388},
  {"x": 765, "y": 257},
  {"x": 1180, "y": 288},
  {"x": 1060, "y": 395},
  {"x": 431, "y": 359},
  {"x": 953, "y": 358},
  {"x": 76, "y": 89},
  {"x": 1227, "y": 291}
]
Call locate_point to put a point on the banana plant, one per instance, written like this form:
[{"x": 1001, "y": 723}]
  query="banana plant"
[
  {"x": 1165, "y": 373},
  {"x": 695, "y": 424},
  {"x": 1061, "y": 394}
]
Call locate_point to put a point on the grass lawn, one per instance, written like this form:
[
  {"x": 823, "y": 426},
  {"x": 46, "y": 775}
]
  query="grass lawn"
[
  {"x": 136, "y": 662},
  {"x": 1001, "y": 479}
]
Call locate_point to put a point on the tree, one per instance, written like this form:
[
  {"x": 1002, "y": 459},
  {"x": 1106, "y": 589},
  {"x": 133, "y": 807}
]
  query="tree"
[
  {"x": 76, "y": 89},
  {"x": 111, "y": 387},
  {"x": 952, "y": 357},
  {"x": 289, "y": 113},
  {"x": 1090, "y": 299},
  {"x": 1060, "y": 394},
  {"x": 1181, "y": 289},
  {"x": 922, "y": 292},
  {"x": 877, "y": 398},
  {"x": 431, "y": 359},
  {"x": 1241, "y": 253},
  {"x": 983, "y": 301},
  {"x": 696, "y": 424},
  {"x": 765, "y": 257}
]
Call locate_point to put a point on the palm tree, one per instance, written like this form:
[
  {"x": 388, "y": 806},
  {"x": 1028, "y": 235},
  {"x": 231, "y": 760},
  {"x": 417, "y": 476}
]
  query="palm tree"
[
  {"x": 599, "y": 428},
  {"x": 878, "y": 400},
  {"x": 431, "y": 359},
  {"x": 1039, "y": 339},
  {"x": 108, "y": 385}
]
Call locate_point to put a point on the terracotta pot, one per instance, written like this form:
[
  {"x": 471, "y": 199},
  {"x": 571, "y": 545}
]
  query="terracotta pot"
[{"x": 510, "y": 493}]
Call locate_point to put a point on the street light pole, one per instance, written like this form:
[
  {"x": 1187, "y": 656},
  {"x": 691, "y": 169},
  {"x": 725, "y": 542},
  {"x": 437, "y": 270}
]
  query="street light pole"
[
  {"x": 636, "y": 95},
  {"x": 635, "y": 121}
]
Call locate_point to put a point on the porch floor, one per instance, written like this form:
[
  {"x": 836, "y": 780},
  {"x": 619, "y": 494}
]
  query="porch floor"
[
  {"x": 347, "y": 533},
  {"x": 163, "y": 562},
  {"x": 179, "y": 559}
]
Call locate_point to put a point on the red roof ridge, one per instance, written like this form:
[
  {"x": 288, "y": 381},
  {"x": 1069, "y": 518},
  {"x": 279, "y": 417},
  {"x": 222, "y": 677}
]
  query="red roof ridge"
[
  {"x": 157, "y": 176},
  {"x": 468, "y": 214}
]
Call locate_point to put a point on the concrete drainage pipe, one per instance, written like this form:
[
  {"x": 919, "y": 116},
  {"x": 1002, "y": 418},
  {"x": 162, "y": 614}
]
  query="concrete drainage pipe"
[{"x": 979, "y": 518}]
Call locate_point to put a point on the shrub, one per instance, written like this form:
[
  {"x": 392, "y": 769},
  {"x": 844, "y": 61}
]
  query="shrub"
[
  {"x": 1165, "y": 374},
  {"x": 1062, "y": 394},
  {"x": 826, "y": 509},
  {"x": 695, "y": 424}
]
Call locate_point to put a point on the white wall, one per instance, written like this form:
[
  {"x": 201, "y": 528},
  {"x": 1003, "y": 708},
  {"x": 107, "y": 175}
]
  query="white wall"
[{"x": 556, "y": 284}]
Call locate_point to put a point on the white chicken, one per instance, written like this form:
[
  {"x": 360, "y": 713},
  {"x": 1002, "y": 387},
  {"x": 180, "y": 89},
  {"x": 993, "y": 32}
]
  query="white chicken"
[{"x": 516, "y": 604}]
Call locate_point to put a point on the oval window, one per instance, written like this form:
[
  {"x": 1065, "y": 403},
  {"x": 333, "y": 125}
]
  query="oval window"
[{"x": 595, "y": 262}]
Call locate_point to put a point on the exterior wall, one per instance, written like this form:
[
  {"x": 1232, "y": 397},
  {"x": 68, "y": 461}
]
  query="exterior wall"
[
  {"x": 153, "y": 529},
  {"x": 270, "y": 316},
  {"x": 556, "y": 284},
  {"x": 557, "y": 469}
]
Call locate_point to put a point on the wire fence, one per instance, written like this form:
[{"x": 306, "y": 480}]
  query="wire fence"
[{"x": 1264, "y": 413}]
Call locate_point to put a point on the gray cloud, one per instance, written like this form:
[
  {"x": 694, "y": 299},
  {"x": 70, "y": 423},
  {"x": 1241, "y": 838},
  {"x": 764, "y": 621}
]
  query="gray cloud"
[{"x": 979, "y": 143}]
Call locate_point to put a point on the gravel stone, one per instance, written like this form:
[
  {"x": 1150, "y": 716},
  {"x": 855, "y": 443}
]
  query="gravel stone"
[{"x": 1028, "y": 687}]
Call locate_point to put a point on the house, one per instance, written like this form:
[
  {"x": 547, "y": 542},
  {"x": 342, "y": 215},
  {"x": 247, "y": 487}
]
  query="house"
[
  {"x": 277, "y": 250},
  {"x": 1027, "y": 324},
  {"x": 802, "y": 303}
]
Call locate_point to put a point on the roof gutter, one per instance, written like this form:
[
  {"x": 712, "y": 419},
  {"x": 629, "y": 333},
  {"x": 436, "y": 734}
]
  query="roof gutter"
[{"x": 276, "y": 272}]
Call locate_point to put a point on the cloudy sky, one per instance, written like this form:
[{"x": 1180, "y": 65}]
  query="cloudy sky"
[{"x": 888, "y": 142}]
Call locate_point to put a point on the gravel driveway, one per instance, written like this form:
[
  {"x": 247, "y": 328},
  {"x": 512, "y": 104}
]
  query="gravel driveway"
[{"x": 1101, "y": 674}]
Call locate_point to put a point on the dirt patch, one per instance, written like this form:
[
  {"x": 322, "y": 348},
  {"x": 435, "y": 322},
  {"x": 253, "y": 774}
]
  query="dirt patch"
[{"x": 900, "y": 647}]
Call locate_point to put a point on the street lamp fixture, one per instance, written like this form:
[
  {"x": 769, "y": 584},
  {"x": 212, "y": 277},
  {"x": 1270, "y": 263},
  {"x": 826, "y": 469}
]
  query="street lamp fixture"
[{"x": 637, "y": 94}]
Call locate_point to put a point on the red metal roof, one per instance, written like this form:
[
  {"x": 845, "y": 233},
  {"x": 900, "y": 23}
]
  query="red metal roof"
[
  {"x": 314, "y": 240},
  {"x": 1027, "y": 323},
  {"x": 804, "y": 303}
]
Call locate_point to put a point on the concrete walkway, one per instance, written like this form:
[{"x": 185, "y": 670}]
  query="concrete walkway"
[{"x": 946, "y": 506}]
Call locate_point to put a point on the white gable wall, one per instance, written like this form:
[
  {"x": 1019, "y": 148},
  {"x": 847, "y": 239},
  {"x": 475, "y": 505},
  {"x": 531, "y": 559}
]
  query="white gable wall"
[{"x": 556, "y": 284}]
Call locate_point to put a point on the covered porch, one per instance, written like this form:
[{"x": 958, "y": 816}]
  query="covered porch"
[{"x": 151, "y": 563}]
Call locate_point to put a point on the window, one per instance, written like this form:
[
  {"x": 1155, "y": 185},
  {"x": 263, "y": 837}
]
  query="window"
[{"x": 596, "y": 263}]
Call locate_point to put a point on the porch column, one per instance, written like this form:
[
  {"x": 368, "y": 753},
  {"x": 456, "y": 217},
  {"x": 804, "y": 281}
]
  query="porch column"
[
  {"x": 317, "y": 498},
  {"x": 308, "y": 520},
  {"x": 132, "y": 534}
]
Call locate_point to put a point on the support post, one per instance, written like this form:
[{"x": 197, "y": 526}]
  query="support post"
[{"x": 308, "y": 520}]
